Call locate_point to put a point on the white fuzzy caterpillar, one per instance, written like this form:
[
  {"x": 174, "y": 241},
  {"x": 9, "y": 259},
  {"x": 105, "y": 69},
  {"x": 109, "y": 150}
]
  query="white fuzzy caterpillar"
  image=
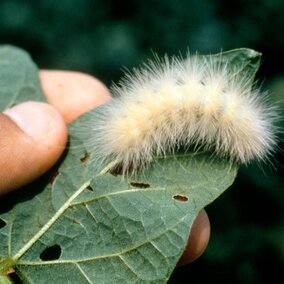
[{"x": 184, "y": 102}]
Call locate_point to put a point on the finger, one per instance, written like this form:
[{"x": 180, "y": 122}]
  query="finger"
[
  {"x": 32, "y": 138},
  {"x": 72, "y": 93},
  {"x": 198, "y": 239}
]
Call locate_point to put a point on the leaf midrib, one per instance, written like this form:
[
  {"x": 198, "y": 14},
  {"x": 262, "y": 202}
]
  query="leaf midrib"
[{"x": 51, "y": 221}]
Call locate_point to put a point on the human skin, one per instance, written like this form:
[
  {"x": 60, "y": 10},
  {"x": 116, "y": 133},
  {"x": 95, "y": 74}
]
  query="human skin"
[{"x": 41, "y": 129}]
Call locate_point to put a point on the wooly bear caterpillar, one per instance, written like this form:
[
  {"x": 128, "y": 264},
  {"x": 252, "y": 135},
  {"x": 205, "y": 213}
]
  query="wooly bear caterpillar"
[{"x": 183, "y": 102}]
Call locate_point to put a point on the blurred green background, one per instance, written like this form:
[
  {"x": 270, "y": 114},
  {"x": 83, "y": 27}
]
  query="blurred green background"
[{"x": 102, "y": 36}]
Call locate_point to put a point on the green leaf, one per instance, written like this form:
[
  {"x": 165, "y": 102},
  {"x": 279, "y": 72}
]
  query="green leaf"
[
  {"x": 111, "y": 230},
  {"x": 243, "y": 60},
  {"x": 18, "y": 78},
  {"x": 5, "y": 280},
  {"x": 81, "y": 224}
]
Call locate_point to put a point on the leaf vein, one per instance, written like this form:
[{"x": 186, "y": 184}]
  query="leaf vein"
[
  {"x": 108, "y": 255},
  {"x": 84, "y": 274}
]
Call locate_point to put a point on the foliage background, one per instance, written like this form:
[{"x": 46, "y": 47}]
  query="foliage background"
[{"x": 102, "y": 36}]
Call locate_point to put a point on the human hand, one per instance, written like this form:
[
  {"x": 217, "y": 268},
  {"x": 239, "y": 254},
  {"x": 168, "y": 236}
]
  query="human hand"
[{"x": 33, "y": 136}]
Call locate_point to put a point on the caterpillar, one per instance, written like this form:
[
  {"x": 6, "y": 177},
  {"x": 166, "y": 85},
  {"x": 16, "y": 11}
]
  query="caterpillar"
[{"x": 181, "y": 102}]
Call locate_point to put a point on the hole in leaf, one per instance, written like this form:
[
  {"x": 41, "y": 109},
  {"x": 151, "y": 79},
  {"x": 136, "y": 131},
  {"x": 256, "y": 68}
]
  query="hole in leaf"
[
  {"x": 51, "y": 253},
  {"x": 2, "y": 223},
  {"x": 89, "y": 188},
  {"x": 116, "y": 170},
  {"x": 119, "y": 170},
  {"x": 85, "y": 157},
  {"x": 180, "y": 197},
  {"x": 15, "y": 278},
  {"x": 140, "y": 184}
]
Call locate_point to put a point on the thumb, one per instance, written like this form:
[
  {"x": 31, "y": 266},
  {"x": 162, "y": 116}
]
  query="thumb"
[{"x": 32, "y": 138}]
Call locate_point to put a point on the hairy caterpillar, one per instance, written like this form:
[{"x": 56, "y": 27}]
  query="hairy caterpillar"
[{"x": 173, "y": 102}]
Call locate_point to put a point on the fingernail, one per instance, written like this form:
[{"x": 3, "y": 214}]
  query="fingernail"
[{"x": 34, "y": 118}]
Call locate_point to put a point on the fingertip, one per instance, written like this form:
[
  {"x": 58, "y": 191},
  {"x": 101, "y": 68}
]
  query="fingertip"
[
  {"x": 73, "y": 93},
  {"x": 198, "y": 239},
  {"x": 39, "y": 120},
  {"x": 34, "y": 136}
]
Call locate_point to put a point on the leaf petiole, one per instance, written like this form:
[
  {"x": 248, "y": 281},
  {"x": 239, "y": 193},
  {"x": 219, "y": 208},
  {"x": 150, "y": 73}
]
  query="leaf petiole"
[{"x": 5, "y": 265}]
